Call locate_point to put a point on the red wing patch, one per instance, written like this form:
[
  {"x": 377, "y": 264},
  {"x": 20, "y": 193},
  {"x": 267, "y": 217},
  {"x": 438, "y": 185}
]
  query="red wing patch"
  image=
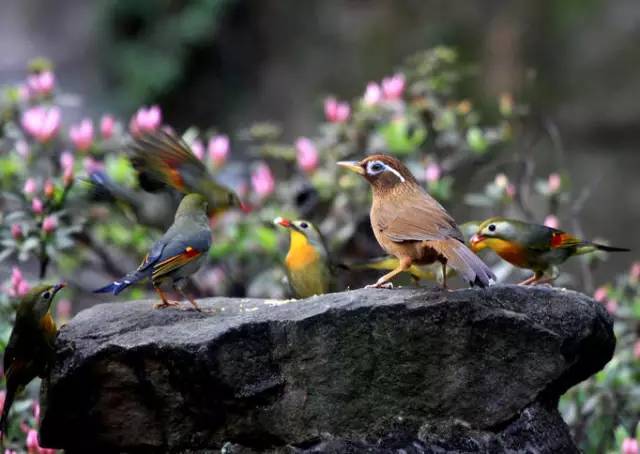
[
  {"x": 175, "y": 262},
  {"x": 563, "y": 239}
]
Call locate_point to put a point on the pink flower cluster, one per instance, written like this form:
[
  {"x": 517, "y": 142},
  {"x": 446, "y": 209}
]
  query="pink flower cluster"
[
  {"x": 390, "y": 89},
  {"x": 218, "y": 150},
  {"x": 42, "y": 123},
  {"x": 502, "y": 182},
  {"x": 630, "y": 446},
  {"x": 146, "y": 119},
  {"x": 19, "y": 286},
  {"x": 306, "y": 155},
  {"x": 336, "y": 111},
  {"x": 432, "y": 173},
  {"x": 81, "y": 135},
  {"x": 262, "y": 180},
  {"x": 601, "y": 295},
  {"x": 67, "y": 162},
  {"x": 41, "y": 84}
]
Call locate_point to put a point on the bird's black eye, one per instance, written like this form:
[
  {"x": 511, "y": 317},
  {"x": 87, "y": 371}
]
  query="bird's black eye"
[
  {"x": 304, "y": 225},
  {"x": 46, "y": 295},
  {"x": 376, "y": 167},
  {"x": 492, "y": 227}
]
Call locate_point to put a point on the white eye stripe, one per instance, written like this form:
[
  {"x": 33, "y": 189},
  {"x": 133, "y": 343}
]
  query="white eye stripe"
[{"x": 371, "y": 171}]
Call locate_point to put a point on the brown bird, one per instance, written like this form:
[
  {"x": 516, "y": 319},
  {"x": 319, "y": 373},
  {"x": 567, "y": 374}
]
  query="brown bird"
[{"x": 409, "y": 224}]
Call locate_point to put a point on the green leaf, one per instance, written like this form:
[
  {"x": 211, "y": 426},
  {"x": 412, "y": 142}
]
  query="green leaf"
[
  {"x": 403, "y": 136},
  {"x": 476, "y": 140}
]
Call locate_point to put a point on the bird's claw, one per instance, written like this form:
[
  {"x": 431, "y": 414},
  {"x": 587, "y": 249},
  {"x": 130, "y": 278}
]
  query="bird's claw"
[
  {"x": 166, "y": 304},
  {"x": 387, "y": 285}
]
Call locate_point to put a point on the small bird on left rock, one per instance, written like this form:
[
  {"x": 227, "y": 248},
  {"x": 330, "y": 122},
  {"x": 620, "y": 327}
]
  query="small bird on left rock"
[
  {"x": 30, "y": 350},
  {"x": 411, "y": 225},
  {"x": 307, "y": 262},
  {"x": 177, "y": 255}
]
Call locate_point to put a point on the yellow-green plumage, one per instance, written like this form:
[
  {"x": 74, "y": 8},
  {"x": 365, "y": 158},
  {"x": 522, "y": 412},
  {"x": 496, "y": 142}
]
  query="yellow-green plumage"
[
  {"x": 307, "y": 262},
  {"x": 31, "y": 345}
]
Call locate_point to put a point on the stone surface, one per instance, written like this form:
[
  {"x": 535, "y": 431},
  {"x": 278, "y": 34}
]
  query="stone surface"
[{"x": 475, "y": 370}]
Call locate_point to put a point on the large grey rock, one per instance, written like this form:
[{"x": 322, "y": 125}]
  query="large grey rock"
[{"x": 476, "y": 370}]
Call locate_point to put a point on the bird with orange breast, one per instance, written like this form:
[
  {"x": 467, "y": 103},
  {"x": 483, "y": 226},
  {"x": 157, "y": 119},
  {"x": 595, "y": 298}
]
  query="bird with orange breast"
[{"x": 411, "y": 225}]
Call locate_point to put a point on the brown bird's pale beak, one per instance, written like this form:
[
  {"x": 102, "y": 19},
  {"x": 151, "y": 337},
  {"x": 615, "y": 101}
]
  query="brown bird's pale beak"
[
  {"x": 282, "y": 221},
  {"x": 477, "y": 242},
  {"x": 354, "y": 166}
]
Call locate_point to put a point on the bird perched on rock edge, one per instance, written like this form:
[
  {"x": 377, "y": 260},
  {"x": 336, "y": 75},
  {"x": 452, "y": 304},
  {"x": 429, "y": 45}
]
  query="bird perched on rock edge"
[
  {"x": 532, "y": 246},
  {"x": 177, "y": 255},
  {"x": 161, "y": 158},
  {"x": 31, "y": 345},
  {"x": 409, "y": 224},
  {"x": 307, "y": 262}
]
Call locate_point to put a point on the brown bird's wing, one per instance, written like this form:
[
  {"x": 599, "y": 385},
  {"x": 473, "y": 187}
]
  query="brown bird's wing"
[{"x": 415, "y": 216}]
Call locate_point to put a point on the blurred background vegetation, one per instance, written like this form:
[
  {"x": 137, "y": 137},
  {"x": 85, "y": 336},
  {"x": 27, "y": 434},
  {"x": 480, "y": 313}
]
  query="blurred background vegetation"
[{"x": 523, "y": 90}]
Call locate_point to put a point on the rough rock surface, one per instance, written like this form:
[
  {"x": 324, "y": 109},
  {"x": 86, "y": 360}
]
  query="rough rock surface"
[{"x": 476, "y": 370}]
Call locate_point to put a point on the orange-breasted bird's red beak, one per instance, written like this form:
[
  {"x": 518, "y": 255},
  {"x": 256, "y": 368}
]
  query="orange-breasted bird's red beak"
[
  {"x": 282, "y": 221},
  {"x": 60, "y": 286},
  {"x": 476, "y": 242},
  {"x": 354, "y": 166}
]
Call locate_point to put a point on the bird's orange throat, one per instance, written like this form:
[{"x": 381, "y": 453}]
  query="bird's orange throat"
[
  {"x": 507, "y": 250},
  {"x": 47, "y": 323},
  {"x": 301, "y": 253}
]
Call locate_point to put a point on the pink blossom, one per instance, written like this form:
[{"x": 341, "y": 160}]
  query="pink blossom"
[
  {"x": 41, "y": 83},
  {"x": 262, "y": 180},
  {"x": 634, "y": 272},
  {"x": 306, "y": 154},
  {"x": 91, "y": 165},
  {"x": 81, "y": 135},
  {"x": 146, "y": 119},
  {"x": 16, "y": 231},
  {"x": 335, "y": 111},
  {"x": 372, "y": 95},
  {"x": 33, "y": 447},
  {"x": 63, "y": 309},
  {"x": 107, "y": 125},
  {"x": 601, "y": 294},
  {"x": 554, "y": 183},
  {"x": 636, "y": 350},
  {"x": 37, "y": 206},
  {"x": 67, "y": 162},
  {"x": 218, "y": 149},
  {"x": 612, "y": 306},
  {"x": 3, "y": 396},
  {"x": 630, "y": 446},
  {"x": 198, "y": 149},
  {"x": 30, "y": 187},
  {"x": 49, "y": 224},
  {"x": 19, "y": 286},
  {"x": 22, "y": 148},
  {"x": 510, "y": 190},
  {"x": 393, "y": 87},
  {"x": 49, "y": 189},
  {"x": 432, "y": 172},
  {"x": 42, "y": 122},
  {"x": 552, "y": 221}
]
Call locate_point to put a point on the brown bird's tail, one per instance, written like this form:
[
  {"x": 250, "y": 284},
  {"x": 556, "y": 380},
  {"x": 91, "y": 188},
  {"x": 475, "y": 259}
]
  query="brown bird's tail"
[
  {"x": 8, "y": 401},
  {"x": 468, "y": 265}
]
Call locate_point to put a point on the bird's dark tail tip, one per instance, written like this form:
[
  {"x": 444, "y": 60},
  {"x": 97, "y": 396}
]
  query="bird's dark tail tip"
[
  {"x": 603, "y": 247},
  {"x": 115, "y": 287}
]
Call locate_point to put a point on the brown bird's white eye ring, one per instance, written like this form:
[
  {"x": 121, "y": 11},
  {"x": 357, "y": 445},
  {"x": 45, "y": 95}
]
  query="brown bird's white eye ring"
[{"x": 376, "y": 167}]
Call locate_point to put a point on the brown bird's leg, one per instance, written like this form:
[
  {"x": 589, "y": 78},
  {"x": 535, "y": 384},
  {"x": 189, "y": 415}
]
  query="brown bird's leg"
[
  {"x": 188, "y": 297},
  {"x": 383, "y": 282},
  {"x": 165, "y": 301}
]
